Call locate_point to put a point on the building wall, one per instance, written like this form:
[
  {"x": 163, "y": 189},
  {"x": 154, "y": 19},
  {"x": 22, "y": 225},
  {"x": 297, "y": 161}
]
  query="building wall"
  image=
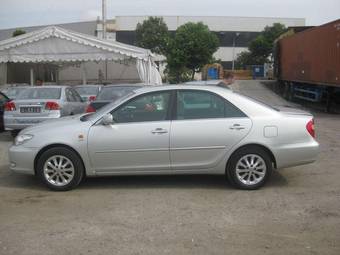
[{"x": 215, "y": 23}]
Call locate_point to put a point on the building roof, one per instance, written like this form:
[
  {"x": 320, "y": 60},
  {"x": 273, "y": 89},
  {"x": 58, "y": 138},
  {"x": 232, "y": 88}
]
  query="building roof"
[{"x": 85, "y": 27}]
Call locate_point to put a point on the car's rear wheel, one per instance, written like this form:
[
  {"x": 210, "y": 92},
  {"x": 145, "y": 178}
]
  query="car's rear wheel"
[
  {"x": 249, "y": 168},
  {"x": 60, "y": 169}
]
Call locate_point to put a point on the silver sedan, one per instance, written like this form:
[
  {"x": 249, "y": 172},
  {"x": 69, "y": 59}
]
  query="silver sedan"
[
  {"x": 168, "y": 130},
  {"x": 39, "y": 103}
]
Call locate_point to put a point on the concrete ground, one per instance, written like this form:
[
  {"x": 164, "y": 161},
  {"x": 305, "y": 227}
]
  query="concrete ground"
[{"x": 297, "y": 212}]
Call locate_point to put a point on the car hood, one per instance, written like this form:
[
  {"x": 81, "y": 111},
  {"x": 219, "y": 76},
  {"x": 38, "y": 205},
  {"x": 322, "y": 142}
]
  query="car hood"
[{"x": 64, "y": 122}]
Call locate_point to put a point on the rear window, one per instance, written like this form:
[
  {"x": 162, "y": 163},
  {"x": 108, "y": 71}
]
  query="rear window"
[
  {"x": 114, "y": 93},
  {"x": 40, "y": 93},
  {"x": 87, "y": 90},
  {"x": 13, "y": 92}
]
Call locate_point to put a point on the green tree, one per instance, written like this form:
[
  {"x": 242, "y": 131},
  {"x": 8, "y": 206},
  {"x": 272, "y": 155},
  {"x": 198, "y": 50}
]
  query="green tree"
[
  {"x": 17, "y": 32},
  {"x": 153, "y": 34},
  {"x": 191, "y": 48},
  {"x": 261, "y": 48},
  {"x": 243, "y": 59}
]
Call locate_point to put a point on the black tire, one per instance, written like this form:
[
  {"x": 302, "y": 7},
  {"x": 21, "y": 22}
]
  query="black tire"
[
  {"x": 235, "y": 158},
  {"x": 70, "y": 155}
]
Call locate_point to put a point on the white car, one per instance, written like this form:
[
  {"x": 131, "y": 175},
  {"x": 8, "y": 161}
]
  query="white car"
[{"x": 171, "y": 129}]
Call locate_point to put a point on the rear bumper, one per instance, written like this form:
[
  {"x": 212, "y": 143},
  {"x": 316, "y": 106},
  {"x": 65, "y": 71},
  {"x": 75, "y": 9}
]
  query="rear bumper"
[
  {"x": 296, "y": 154},
  {"x": 21, "y": 159},
  {"x": 18, "y": 123}
]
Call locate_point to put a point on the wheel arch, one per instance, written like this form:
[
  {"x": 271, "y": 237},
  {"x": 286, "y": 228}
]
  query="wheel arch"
[
  {"x": 265, "y": 148},
  {"x": 50, "y": 146}
]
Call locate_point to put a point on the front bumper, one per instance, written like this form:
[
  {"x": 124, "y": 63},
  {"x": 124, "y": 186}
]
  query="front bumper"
[
  {"x": 21, "y": 159},
  {"x": 18, "y": 123}
]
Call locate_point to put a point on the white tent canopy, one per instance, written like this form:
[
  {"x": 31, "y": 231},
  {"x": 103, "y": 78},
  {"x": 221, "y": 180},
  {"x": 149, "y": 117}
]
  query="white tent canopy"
[{"x": 55, "y": 44}]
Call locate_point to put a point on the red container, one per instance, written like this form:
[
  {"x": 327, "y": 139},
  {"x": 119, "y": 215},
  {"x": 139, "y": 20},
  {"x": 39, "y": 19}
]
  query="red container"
[{"x": 311, "y": 56}]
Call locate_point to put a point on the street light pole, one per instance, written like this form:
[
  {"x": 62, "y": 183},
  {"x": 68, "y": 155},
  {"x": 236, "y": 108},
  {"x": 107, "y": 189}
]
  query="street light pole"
[
  {"x": 234, "y": 40},
  {"x": 104, "y": 18}
]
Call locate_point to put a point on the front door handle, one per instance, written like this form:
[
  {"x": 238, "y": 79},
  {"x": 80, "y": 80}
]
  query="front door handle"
[
  {"x": 159, "y": 131},
  {"x": 237, "y": 127}
]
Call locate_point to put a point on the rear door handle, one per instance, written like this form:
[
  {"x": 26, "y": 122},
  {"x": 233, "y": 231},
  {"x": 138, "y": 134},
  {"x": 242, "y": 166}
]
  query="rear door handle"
[
  {"x": 159, "y": 131},
  {"x": 237, "y": 127}
]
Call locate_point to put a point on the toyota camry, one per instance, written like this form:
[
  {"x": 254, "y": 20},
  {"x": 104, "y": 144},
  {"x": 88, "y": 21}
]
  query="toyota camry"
[{"x": 172, "y": 129}]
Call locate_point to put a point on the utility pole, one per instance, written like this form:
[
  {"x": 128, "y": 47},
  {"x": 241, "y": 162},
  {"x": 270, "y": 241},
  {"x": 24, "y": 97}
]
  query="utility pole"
[
  {"x": 234, "y": 41},
  {"x": 104, "y": 31},
  {"x": 104, "y": 18}
]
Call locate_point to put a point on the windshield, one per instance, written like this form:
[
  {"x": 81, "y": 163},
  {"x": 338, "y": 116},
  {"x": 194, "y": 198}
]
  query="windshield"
[
  {"x": 105, "y": 109},
  {"x": 87, "y": 90},
  {"x": 40, "y": 93},
  {"x": 13, "y": 92},
  {"x": 114, "y": 92}
]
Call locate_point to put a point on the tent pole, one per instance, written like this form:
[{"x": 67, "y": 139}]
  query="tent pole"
[
  {"x": 32, "y": 76},
  {"x": 83, "y": 73}
]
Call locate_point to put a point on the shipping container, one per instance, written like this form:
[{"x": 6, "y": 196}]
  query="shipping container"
[
  {"x": 312, "y": 55},
  {"x": 309, "y": 61}
]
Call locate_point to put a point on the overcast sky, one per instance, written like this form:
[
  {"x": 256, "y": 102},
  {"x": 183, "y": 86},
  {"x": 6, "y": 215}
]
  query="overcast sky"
[{"x": 21, "y": 13}]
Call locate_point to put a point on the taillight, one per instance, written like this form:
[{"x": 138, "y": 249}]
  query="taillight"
[
  {"x": 90, "y": 108},
  {"x": 52, "y": 106},
  {"x": 310, "y": 128},
  {"x": 92, "y": 98},
  {"x": 10, "y": 106}
]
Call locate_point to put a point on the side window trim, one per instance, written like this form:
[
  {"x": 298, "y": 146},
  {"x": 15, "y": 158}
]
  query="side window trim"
[{"x": 175, "y": 116}]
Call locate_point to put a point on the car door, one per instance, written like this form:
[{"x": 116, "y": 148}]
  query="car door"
[
  {"x": 79, "y": 104},
  {"x": 205, "y": 127},
  {"x": 137, "y": 141}
]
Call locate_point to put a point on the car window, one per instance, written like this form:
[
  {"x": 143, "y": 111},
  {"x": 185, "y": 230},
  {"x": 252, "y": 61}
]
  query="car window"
[
  {"x": 87, "y": 90},
  {"x": 69, "y": 95},
  {"x": 150, "y": 107},
  {"x": 40, "y": 93},
  {"x": 204, "y": 105},
  {"x": 115, "y": 92},
  {"x": 76, "y": 95}
]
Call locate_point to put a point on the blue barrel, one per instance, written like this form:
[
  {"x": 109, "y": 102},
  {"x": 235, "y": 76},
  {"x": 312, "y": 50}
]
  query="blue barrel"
[
  {"x": 212, "y": 73},
  {"x": 258, "y": 71}
]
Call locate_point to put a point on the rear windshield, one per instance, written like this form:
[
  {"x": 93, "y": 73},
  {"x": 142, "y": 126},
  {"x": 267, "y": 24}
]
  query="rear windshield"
[
  {"x": 40, "y": 93},
  {"x": 113, "y": 93},
  {"x": 87, "y": 90},
  {"x": 13, "y": 92}
]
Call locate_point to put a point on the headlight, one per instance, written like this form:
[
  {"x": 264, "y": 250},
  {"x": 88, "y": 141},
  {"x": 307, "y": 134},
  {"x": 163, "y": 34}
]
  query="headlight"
[{"x": 20, "y": 139}]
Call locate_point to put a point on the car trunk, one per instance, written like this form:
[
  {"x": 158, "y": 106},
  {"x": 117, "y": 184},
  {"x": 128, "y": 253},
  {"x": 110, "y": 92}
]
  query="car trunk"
[{"x": 31, "y": 108}]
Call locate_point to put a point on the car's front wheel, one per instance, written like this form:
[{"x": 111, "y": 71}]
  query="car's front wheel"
[
  {"x": 60, "y": 169},
  {"x": 249, "y": 168}
]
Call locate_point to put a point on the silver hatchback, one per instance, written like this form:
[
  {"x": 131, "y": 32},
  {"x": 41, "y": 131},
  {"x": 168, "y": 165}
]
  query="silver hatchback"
[
  {"x": 39, "y": 103},
  {"x": 168, "y": 130}
]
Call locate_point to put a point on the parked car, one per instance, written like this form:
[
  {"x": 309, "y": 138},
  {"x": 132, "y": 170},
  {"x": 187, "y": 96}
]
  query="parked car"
[
  {"x": 40, "y": 103},
  {"x": 172, "y": 129},
  {"x": 12, "y": 92},
  {"x": 110, "y": 93},
  {"x": 88, "y": 92},
  {"x": 3, "y": 100}
]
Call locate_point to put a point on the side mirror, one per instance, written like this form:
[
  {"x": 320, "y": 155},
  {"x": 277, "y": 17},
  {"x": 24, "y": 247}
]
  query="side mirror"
[{"x": 107, "y": 119}]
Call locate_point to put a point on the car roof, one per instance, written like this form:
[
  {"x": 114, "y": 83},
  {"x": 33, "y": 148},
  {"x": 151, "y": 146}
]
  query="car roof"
[
  {"x": 89, "y": 85},
  {"x": 48, "y": 86},
  {"x": 208, "y": 82},
  {"x": 124, "y": 85},
  {"x": 155, "y": 88}
]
